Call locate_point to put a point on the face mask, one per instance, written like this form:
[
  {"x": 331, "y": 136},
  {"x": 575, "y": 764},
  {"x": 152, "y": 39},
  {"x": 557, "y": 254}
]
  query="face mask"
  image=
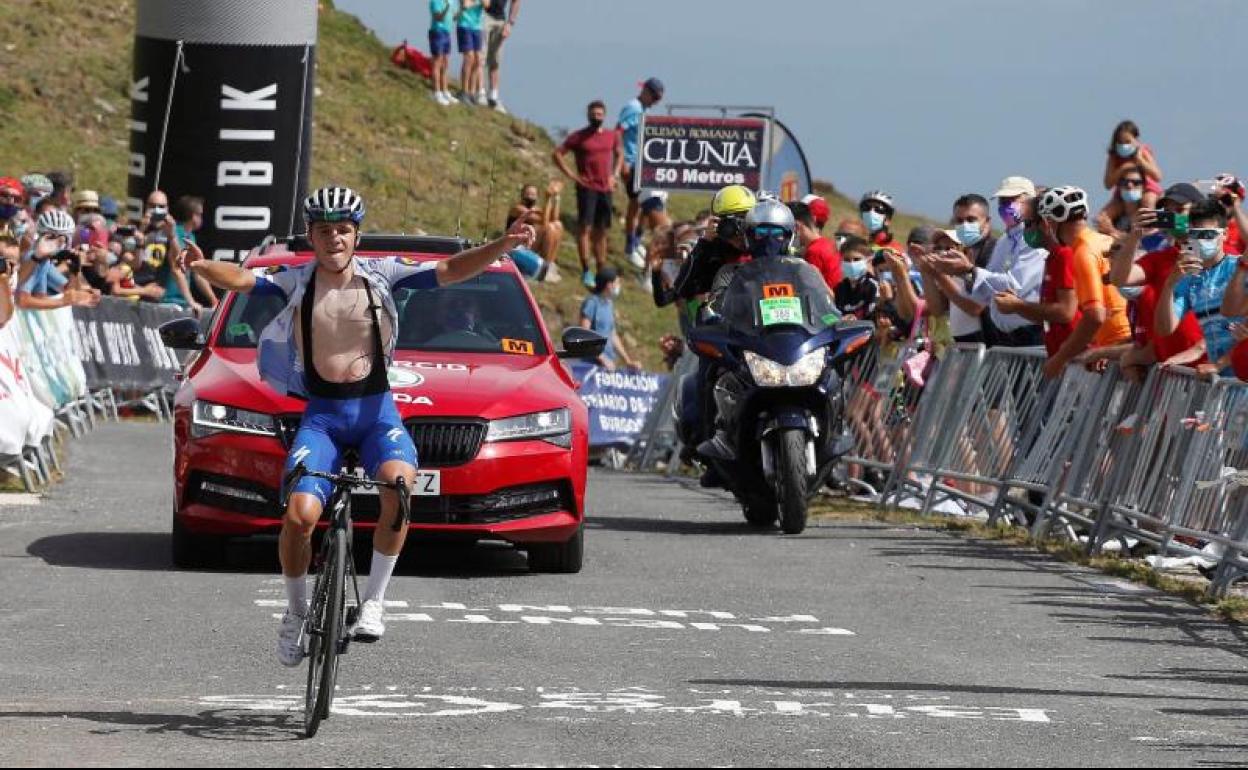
[
  {"x": 1011, "y": 214},
  {"x": 1208, "y": 248},
  {"x": 595, "y": 124},
  {"x": 529, "y": 202},
  {"x": 1033, "y": 238},
  {"x": 874, "y": 220},
  {"x": 9, "y": 210},
  {"x": 20, "y": 228},
  {"x": 615, "y": 290},
  {"x": 1131, "y": 293},
  {"x": 1133, "y": 195},
  {"x": 1124, "y": 150},
  {"x": 969, "y": 233},
  {"x": 113, "y": 259},
  {"x": 854, "y": 271}
]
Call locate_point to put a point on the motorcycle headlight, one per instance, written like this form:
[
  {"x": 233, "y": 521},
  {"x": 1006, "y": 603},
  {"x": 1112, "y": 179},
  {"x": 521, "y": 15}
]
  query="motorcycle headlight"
[
  {"x": 554, "y": 426},
  {"x": 208, "y": 418},
  {"x": 769, "y": 374}
]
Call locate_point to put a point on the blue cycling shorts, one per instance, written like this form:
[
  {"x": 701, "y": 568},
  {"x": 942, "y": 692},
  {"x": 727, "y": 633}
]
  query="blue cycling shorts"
[{"x": 370, "y": 424}]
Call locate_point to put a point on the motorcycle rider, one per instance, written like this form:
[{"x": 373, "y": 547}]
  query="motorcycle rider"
[
  {"x": 700, "y": 274},
  {"x": 769, "y": 231}
]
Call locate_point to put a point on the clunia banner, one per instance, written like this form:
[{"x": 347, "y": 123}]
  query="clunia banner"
[{"x": 701, "y": 154}]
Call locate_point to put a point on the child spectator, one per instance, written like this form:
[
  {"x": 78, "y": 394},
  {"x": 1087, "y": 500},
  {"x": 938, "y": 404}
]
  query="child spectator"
[
  {"x": 855, "y": 296},
  {"x": 816, "y": 249},
  {"x": 1116, "y": 218},
  {"x": 1125, "y": 149}
]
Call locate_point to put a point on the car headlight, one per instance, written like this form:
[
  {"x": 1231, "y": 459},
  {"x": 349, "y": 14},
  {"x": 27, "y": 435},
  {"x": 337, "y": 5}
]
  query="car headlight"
[
  {"x": 208, "y": 418},
  {"x": 554, "y": 426},
  {"x": 769, "y": 374}
]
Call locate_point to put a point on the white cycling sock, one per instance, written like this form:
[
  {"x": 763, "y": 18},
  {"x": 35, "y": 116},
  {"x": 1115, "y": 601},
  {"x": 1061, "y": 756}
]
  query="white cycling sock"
[
  {"x": 379, "y": 576},
  {"x": 297, "y": 594}
]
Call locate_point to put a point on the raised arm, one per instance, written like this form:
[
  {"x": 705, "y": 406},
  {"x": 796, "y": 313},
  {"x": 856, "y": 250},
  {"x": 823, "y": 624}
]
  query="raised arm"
[
  {"x": 471, "y": 262},
  {"x": 1122, "y": 269},
  {"x": 223, "y": 275}
]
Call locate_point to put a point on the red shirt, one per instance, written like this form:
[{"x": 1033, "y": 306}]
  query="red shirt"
[
  {"x": 884, "y": 240},
  {"x": 1234, "y": 243},
  {"x": 822, "y": 254},
  {"x": 1059, "y": 273},
  {"x": 1157, "y": 267},
  {"x": 595, "y": 155}
]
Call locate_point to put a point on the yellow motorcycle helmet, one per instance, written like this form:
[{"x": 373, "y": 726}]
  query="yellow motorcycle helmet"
[{"x": 733, "y": 200}]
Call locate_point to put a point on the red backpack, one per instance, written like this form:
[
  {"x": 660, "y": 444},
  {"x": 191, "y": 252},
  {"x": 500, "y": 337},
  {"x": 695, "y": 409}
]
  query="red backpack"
[{"x": 413, "y": 59}]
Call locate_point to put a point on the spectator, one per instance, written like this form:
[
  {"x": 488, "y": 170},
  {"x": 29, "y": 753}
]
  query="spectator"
[
  {"x": 47, "y": 280},
  {"x": 816, "y": 249},
  {"x": 1203, "y": 278},
  {"x": 440, "y": 49},
  {"x": 858, "y": 291},
  {"x": 1116, "y": 218},
  {"x": 629, "y": 126},
  {"x": 188, "y": 217},
  {"x": 1229, "y": 191},
  {"x": 10, "y": 252},
  {"x": 876, "y": 210},
  {"x": 468, "y": 31},
  {"x": 86, "y": 203},
  {"x": 1125, "y": 149},
  {"x": 669, "y": 250},
  {"x": 156, "y": 233},
  {"x": 847, "y": 228},
  {"x": 498, "y": 26},
  {"x": 110, "y": 211},
  {"x": 62, "y": 188},
  {"x": 818, "y": 209},
  {"x": 37, "y": 187},
  {"x": 1146, "y": 277},
  {"x": 973, "y": 236},
  {"x": 898, "y": 292},
  {"x": 1014, "y": 271},
  {"x": 546, "y": 222},
  {"x": 1101, "y": 317},
  {"x": 599, "y": 160},
  {"x": 598, "y": 315}
]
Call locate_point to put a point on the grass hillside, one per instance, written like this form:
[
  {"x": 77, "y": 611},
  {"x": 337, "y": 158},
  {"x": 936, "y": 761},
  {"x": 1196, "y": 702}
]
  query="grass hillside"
[{"x": 65, "y": 103}]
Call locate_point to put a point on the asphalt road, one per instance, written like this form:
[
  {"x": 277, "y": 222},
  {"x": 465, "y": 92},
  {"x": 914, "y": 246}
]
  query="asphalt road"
[{"x": 687, "y": 640}]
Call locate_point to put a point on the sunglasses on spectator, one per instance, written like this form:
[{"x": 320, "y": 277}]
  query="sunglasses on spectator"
[
  {"x": 1131, "y": 182},
  {"x": 878, "y": 208},
  {"x": 1205, "y": 233}
]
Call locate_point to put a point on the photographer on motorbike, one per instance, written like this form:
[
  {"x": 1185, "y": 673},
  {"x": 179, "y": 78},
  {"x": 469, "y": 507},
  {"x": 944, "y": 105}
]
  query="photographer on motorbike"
[
  {"x": 769, "y": 230},
  {"x": 701, "y": 273}
]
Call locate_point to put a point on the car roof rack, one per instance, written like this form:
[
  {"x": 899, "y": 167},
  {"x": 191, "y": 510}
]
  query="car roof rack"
[{"x": 384, "y": 242}]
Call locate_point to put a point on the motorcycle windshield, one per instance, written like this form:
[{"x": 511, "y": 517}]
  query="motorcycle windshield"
[{"x": 772, "y": 294}]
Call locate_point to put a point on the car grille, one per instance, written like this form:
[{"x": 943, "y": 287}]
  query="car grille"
[
  {"x": 505, "y": 504},
  {"x": 442, "y": 444}
]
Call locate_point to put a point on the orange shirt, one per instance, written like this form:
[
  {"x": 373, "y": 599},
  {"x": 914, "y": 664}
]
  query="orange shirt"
[{"x": 1091, "y": 264}]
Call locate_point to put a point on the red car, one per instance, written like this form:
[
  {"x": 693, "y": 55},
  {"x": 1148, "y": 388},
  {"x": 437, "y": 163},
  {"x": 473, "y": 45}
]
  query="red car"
[{"x": 500, "y": 431}]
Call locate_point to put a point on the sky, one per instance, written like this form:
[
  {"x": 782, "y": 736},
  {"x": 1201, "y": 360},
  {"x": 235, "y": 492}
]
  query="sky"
[{"x": 926, "y": 99}]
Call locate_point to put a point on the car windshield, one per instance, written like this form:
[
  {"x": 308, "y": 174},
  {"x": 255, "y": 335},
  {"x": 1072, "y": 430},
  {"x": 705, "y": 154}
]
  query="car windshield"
[
  {"x": 768, "y": 294},
  {"x": 488, "y": 314}
]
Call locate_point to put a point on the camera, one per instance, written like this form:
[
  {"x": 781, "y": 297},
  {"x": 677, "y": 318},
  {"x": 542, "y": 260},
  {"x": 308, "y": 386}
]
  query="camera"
[
  {"x": 125, "y": 230},
  {"x": 879, "y": 260},
  {"x": 158, "y": 214}
]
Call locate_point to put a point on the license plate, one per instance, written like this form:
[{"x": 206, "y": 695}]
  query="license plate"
[{"x": 428, "y": 484}]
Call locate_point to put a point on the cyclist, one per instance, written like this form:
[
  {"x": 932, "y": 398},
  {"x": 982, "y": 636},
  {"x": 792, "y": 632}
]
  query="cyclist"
[{"x": 331, "y": 345}]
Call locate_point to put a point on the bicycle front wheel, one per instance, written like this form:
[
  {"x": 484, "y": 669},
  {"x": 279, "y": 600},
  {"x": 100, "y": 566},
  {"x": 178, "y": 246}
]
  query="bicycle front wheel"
[{"x": 326, "y": 626}]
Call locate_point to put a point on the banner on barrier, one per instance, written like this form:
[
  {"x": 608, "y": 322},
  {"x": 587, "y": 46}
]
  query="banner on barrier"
[
  {"x": 618, "y": 402},
  {"x": 118, "y": 343}
]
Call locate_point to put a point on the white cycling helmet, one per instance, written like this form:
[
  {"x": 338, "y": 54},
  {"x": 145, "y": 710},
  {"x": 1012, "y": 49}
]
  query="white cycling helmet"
[
  {"x": 57, "y": 222},
  {"x": 334, "y": 204},
  {"x": 878, "y": 196},
  {"x": 1061, "y": 204}
]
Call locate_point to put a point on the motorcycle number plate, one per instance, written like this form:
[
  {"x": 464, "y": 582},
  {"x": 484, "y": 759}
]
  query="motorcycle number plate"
[{"x": 781, "y": 310}]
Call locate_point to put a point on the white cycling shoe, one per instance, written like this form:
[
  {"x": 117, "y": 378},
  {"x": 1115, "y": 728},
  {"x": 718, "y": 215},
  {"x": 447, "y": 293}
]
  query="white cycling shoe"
[
  {"x": 290, "y": 639},
  {"x": 370, "y": 624}
]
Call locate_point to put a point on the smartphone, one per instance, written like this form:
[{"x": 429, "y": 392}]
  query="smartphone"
[
  {"x": 1168, "y": 220},
  {"x": 879, "y": 260},
  {"x": 125, "y": 230}
]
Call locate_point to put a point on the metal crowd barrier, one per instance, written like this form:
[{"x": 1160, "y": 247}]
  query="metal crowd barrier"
[
  {"x": 1093, "y": 455},
  {"x": 657, "y": 441}
]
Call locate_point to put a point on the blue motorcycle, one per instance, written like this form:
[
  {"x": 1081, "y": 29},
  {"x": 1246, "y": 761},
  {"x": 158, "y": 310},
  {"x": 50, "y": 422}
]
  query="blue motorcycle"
[{"x": 775, "y": 354}]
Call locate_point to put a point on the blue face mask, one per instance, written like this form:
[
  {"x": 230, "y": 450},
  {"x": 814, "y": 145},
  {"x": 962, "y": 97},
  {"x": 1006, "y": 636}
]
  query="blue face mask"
[
  {"x": 874, "y": 221},
  {"x": 854, "y": 271},
  {"x": 1124, "y": 150},
  {"x": 1133, "y": 195},
  {"x": 8, "y": 211},
  {"x": 969, "y": 233},
  {"x": 764, "y": 246},
  {"x": 1131, "y": 293},
  {"x": 1209, "y": 248}
]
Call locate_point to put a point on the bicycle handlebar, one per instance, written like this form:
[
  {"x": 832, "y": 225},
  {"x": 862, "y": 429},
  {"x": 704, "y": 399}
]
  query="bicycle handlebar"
[{"x": 354, "y": 482}]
